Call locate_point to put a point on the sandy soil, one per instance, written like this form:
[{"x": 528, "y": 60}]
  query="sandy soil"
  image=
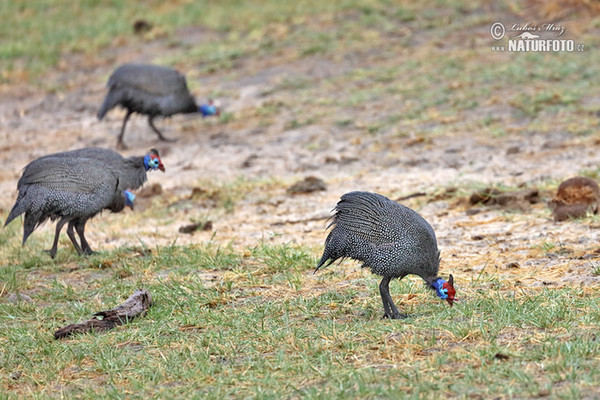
[{"x": 210, "y": 154}]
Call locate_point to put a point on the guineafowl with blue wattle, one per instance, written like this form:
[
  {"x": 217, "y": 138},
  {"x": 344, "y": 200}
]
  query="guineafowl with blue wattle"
[
  {"x": 390, "y": 239},
  {"x": 73, "y": 187},
  {"x": 151, "y": 90}
]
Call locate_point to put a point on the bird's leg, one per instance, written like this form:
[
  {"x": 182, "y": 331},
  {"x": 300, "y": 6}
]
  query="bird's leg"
[
  {"x": 385, "y": 292},
  {"x": 59, "y": 226},
  {"x": 120, "y": 143},
  {"x": 389, "y": 307},
  {"x": 160, "y": 135},
  {"x": 85, "y": 247},
  {"x": 71, "y": 235}
]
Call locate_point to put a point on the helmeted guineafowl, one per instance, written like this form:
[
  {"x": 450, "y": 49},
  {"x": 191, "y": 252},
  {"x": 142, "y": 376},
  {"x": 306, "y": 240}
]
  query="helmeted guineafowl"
[
  {"x": 74, "y": 186},
  {"x": 389, "y": 238},
  {"x": 131, "y": 170},
  {"x": 151, "y": 90}
]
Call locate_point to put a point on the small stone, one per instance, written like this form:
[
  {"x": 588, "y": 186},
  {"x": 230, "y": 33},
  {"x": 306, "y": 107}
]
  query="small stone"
[
  {"x": 513, "y": 150},
  {"x": 484, "y": 196},
  {"x": 200, "y": 226},
  {"x": 307, "y": 185},
  {"x": 249, "y": 161},
  {"x": 15, "y": 376},
  {"x": 531, "y": 195},
  {"x": 473, "y": 211},
  {"x": 563, "y": 212},
  {"x": 15, "y": 298},
  {"x": 140, "y": 26},
  {"x": 574, "y": 198}
]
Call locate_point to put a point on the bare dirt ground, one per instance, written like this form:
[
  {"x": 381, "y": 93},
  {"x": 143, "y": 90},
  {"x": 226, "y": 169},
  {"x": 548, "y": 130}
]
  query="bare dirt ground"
[{"x": 262, "y": 156}]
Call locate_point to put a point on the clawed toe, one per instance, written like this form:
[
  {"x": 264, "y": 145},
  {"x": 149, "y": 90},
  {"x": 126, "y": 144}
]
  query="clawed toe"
[{"x": 51, "y": 252}]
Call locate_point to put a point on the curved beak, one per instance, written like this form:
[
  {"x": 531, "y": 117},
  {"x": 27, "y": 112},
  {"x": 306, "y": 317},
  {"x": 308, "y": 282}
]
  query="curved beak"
[
  {"x": 161, "y": 167},
  {"x": 450, "y": 301}
]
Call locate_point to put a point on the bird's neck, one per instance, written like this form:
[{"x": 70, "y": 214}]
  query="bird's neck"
[
  {"x": 137, "y": 162},
  {"x": 430, "y": 281}
]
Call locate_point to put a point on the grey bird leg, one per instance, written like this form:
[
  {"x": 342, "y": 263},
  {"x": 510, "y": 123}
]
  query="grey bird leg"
[
  {"x": 85, "y": 247},
  {"x": 389, "y": 307},
  {"x": 120, "y": 143},
  {"x": 59, "y": 226},
  {"x": 160, "y": 135},
  {"x": 71, "y": 234}
]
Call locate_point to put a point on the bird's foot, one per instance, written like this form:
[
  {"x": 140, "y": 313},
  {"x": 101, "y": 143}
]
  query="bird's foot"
[
  {"x": 51, "y": 252},
  {"x": 394, "y": 316},
  {"x": 88, "y": 252}
]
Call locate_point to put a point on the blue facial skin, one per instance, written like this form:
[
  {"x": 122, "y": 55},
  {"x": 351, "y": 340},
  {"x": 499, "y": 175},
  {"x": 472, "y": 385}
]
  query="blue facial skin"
[
  {"x": 129, "y": 198},
  {"x": 150, "y": 163},
  {"x": 439, "y": 290},
  {"x": 207, "y": 110}
]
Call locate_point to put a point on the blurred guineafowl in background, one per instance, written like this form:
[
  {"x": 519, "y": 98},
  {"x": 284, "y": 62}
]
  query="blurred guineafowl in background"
[
  {"x": 153, "y": 91},
  {"x": 389, "y": 238},
  {"x": 75, "y": 186}
]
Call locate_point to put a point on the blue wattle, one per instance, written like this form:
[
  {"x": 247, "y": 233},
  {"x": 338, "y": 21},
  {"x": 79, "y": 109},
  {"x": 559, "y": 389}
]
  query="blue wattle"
[
  {"x": 146, "y": 161},
  {"x": 439, "y": 290},
  {"x": 207, "y": 109},
  {"x": 129, "y": 198}
]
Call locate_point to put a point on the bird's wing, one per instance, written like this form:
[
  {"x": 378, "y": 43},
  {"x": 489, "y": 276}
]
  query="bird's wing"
[
  {"x": 150, "y": 79},
  {"x": 71, "y": 175},
  {"x": 362, "y": 214},
  {"x": 380, "y": 220}
]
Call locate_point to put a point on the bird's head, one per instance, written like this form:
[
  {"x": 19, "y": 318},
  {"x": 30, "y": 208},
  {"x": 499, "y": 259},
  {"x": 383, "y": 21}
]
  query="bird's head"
[
  {"x": 209, "y": 109},
  {"x": 129, "y": 198},
  {"x": 445, "y": 290},
  {"x": 152, "y": 161}
]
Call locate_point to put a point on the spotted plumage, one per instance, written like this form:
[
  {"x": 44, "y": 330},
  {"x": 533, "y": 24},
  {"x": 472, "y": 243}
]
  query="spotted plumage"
[
  {"x": 72, "y": 187},
  {"x": 389, "y": 238}
]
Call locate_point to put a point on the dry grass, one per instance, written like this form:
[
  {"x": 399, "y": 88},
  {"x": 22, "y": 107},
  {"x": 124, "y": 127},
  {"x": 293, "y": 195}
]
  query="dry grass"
[{"x": 367, "y": 95}]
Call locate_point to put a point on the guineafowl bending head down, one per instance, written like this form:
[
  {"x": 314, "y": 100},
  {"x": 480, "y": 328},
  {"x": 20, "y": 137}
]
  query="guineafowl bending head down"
[
  {"x": 74, "y": 186},
  {"x": 151, "y": 90},
  {"x": 390, "y": 239}
]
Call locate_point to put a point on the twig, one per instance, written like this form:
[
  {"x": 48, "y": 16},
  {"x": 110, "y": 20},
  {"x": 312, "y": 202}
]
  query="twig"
[
  {"x": 410, "y": 196},
  {"x": 300, "y": 221}
]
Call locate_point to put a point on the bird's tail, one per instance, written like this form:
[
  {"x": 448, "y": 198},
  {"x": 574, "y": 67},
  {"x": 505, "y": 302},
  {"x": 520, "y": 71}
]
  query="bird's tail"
[
  {"x": 326, "y": 256},
  {"x": 335, "y": 248},
  {"x": 34, "y": 216},
  {"x": 19, "y": 208},
  {"x": 110, "y": 101}
]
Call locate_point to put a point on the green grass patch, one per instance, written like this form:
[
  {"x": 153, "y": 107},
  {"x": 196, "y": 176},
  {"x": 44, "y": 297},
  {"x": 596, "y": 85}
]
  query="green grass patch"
[{"x": 258, "y": 323}]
